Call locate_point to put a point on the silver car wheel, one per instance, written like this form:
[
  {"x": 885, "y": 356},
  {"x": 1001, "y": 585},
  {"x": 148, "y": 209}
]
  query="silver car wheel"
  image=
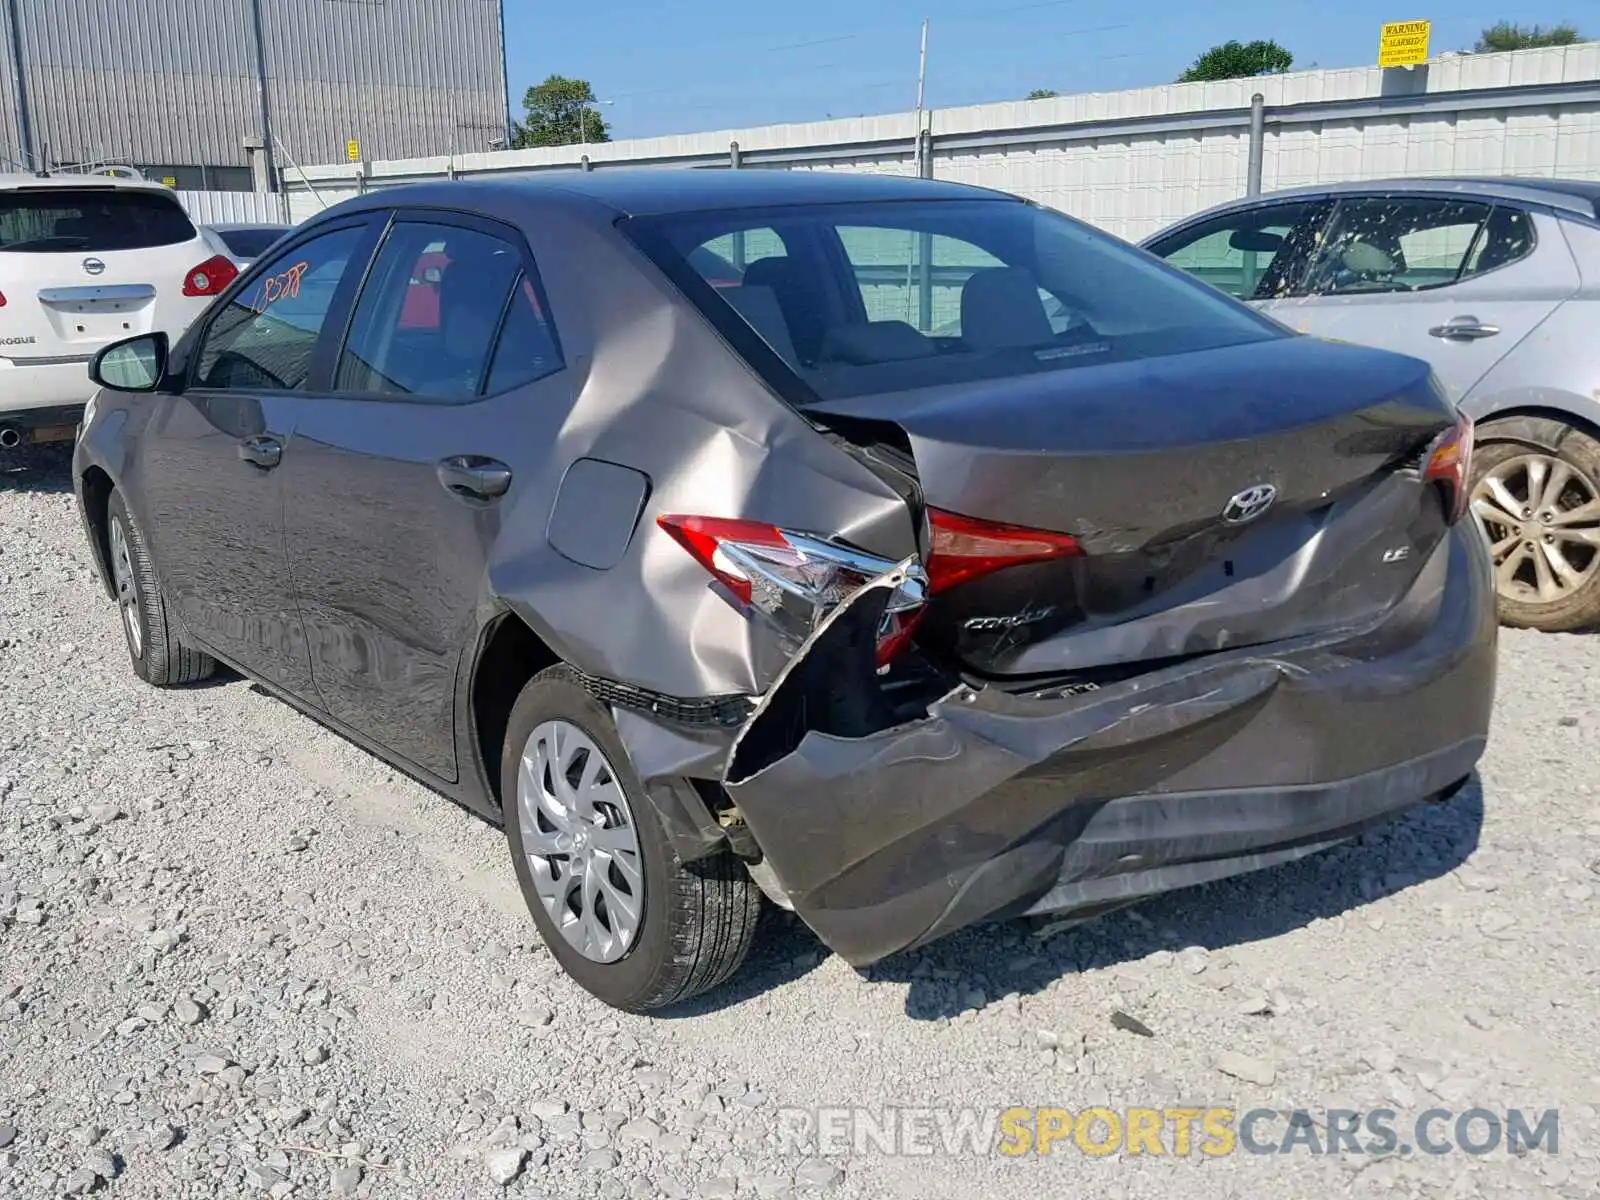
[
  {"x": 1543, "y": 520},
  {"x": 123, "y": 580},
  {"x": 581, "y": 842}
]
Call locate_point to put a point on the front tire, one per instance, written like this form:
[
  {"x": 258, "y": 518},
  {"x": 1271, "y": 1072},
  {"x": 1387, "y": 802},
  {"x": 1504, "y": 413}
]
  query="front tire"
[
  {"x": 1541, "y": 511},
  {"x": 157, "y": 652},
  {"x": 632, "y": 924}
]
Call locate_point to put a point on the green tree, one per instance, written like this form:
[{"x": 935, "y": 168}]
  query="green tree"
[
  {"x": 554, "y": 109},
  {"x": 1506, "y": 36},
  {"x": 1238, "y": 60},
  {"x": 1043, "y": 94}
]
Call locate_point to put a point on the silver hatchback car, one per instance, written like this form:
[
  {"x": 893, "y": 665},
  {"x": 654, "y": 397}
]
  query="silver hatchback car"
[{"x": 1496, "y": 284}]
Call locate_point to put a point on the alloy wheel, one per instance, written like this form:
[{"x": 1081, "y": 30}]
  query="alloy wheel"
[
  {"x": 1542, "y": 516},
  {"x": 582, "y": 845},
  {"x": 122, "y": 578}
]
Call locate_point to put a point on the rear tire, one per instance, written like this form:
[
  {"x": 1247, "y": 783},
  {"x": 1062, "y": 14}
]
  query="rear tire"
[
  {"x": 1541, "y": 511},
  {"x": 157, "y": 651},
  {"x": 638, "y": 928}
]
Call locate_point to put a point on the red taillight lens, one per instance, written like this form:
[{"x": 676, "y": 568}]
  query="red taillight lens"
[
  {"x": 964, "y": 548},
  {"x": 795, "y": 579},
  {"x": 706, "y": 537},
  {"x": 2, "y": 299},
  {"x": 210, "y": 277},
  {"x": 1450, "y": 464}
]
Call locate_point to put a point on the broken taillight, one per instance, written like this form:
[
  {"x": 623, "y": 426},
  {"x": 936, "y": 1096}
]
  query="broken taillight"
[
  {"x": 1449, "y": 463},
  {"x": 795, "y": 579},
  {"x": 964, "y": 548}
]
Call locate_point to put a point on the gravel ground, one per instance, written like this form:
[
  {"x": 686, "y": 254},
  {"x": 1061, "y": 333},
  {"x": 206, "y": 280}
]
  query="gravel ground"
[{"x": 239, "y": 956}]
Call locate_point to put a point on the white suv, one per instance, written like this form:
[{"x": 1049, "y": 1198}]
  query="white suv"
[{"x": 84, "y": 261}]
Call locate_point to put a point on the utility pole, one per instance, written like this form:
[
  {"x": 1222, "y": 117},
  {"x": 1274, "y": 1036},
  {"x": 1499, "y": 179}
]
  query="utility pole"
[
  {"x": 268, "y": 141},
  {"x": 922, "y": 79},
  {"x": 20, "y": 75},
  {"x": 924, "y": 171}
]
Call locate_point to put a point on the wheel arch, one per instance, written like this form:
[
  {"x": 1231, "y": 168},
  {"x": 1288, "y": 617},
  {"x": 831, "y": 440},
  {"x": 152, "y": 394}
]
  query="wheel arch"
[
  {"x": 509, "y": 653},
  {"x": 95, "y": 489},
  {"x": 1542, "y": 426}
]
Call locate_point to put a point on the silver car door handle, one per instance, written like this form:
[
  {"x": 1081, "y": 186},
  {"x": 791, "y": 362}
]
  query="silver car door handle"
[
  {"x": 1467, "y": 329},
  {"x": 474, "y": 476},
  {"x": 262, "y": 451}
]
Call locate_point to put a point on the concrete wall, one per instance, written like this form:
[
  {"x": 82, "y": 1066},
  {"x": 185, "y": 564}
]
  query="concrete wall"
[{"x": 1134, "y": 161}]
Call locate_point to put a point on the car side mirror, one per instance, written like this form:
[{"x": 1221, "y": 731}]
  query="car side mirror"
[{"x": 137, "y": 364}]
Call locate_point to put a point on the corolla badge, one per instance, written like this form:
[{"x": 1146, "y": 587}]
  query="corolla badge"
[
  {"x": 94, "y": 266},
  {"x": 1244, "y": 507}
]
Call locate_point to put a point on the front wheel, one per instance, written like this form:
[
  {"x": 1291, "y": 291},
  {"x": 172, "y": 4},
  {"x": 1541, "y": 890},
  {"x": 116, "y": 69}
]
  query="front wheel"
[{"x": 628, "y": 921}]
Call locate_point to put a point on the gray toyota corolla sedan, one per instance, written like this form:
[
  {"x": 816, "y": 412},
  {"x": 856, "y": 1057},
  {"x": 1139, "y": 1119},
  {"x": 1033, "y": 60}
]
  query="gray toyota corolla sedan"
[{"x": 906, "y": 552}]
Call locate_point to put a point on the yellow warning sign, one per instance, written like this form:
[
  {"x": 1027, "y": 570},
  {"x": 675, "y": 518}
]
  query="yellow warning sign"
[
  {"x": 352, "y": 148},
  {"x": 1404, "y": 43}
]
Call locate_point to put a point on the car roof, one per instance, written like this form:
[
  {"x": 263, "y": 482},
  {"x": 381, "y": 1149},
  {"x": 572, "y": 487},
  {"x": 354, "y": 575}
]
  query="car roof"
[
  {"x": 645, "y": 192},
  {"x": 13, "y": 183},
  {"x": 1578, "y": 196}
]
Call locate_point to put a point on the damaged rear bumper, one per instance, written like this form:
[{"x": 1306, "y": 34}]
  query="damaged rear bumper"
[{"x": 997, "y": 804}]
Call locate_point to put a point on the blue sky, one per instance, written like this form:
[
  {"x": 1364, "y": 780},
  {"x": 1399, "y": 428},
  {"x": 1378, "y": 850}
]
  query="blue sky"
[{"x": 677, "y": 66}]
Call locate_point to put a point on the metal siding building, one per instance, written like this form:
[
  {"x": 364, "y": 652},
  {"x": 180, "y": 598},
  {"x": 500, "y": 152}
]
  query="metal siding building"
[{"x": 175, "y": 87}]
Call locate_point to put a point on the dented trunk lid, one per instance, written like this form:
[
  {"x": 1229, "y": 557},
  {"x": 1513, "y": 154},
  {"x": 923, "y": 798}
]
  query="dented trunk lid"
[{"x": 1145, "y": 463}]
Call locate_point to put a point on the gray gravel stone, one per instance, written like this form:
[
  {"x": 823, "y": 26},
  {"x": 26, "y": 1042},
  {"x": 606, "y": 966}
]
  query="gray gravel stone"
[
  {"x": 187, "y": 1012},
  {"x": 1247, "y": 1068},
  {"x": 505, "y": 1165},
  {"x": 260, "y": 1175}
]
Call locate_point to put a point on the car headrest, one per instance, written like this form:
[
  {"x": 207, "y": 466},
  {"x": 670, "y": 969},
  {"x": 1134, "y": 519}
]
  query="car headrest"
[
  {"x": 1001, "y": 310},
  {"x": 1366, "y": 259},
  {"x": 875, "y": 342},
  {"x": 770, "y": 272},
  {"x": 759, "y": 306}
]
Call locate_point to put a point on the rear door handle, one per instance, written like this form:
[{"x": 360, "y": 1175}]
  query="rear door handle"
[
  {"x": 1464, "y": 329},
  {"x": 263, "y": 451},
  {"x": 474, "y": 476}
]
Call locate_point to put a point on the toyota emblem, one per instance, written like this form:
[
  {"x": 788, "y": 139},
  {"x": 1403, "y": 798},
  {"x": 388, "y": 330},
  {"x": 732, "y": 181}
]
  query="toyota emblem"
[
  {"x": 93, "y": 266},
  {"x": 1249, "y": 504}
]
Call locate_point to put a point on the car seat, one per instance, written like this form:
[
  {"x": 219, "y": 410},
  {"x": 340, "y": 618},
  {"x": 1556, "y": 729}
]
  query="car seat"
[{"x": 1001, "y": 309}]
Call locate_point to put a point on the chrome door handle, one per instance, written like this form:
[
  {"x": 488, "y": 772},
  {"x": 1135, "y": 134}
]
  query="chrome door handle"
[
  {"x": 1465, "y": 329},
  {"x": 474, "y": 476},
  {"x": 261, "y": 451}
]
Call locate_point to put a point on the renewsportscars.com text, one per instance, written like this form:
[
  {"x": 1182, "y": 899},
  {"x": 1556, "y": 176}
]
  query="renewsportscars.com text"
[{"x": 1019, "y": 1131}]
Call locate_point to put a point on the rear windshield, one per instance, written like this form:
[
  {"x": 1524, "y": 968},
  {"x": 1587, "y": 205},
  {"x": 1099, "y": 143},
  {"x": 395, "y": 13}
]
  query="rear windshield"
[
  {"x": 70, "y": 221},
  {"x": 250, "y": 243},
  {"x": 885, "y": 297}
]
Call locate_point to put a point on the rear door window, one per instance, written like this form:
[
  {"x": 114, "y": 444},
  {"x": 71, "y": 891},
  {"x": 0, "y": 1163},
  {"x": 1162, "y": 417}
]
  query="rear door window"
[
  {"x": 266, "y": 337},
  {"x": 430, "y": 313},
  {"x": 1398, "y": 244},
  {"x": 526, "y": 349},
  {"x": 89, "y": 220}
]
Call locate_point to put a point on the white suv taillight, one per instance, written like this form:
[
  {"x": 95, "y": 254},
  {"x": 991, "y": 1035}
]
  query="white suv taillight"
[
  {"x": 210, "y": 277},
  {"x": 795, "y": 579}
]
